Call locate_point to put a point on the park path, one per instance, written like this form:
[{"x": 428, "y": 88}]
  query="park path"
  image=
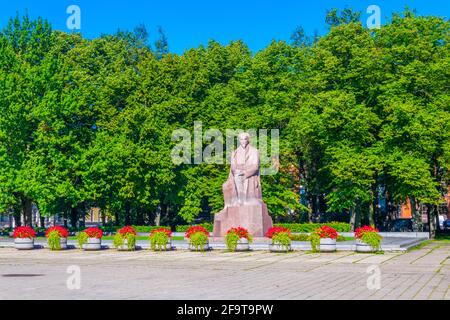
[{"x": 418, "y": 274}]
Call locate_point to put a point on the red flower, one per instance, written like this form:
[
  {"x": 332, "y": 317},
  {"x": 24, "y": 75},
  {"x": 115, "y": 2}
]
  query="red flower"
[
  {"x": 241, "y": 232},
  {"x": 167, "y": 231},
  {"x": 125, "y": 231},
  {"x": 327, "y": 232},
  {"x": 195, "y": 229},
  {"x": 274, "y": 230},
  {"x": 63, "y": 233},
  {"x": 94, "y": 232},
  {"x": 359, "y": 232},
  {"x": 24, "y": 232}
]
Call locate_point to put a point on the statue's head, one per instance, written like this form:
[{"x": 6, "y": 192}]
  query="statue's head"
[{"x": 244, "y": 139}]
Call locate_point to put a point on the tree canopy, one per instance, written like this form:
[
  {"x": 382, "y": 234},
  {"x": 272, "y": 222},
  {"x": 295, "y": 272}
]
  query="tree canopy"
[{"x": 362, "y": 115}]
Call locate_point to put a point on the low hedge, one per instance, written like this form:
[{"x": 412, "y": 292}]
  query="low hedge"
[
  {"x": 294, "y": 227},
  {"x": 148, "y": 229},
  {"x": 305, "y": 237},
  {"x": 139, "y": 229},
  {"x": 183, "y": 228},
  {"x": 310, "y": 227}
]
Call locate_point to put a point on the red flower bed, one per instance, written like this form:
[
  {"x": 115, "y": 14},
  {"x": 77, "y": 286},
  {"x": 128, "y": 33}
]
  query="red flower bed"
[
  {"x": 241, "y": 232},
  {"x": 94, "y": 232},
  {"x": 274, "y": 230},
  {"x": 125, "y": 231},
  {"x": 195, "y": 229},
  {"x": 327, "y": 232},
  {"x": 63, "y": 232},
  {"x": 359, "y": 232},
  {"x": 167, "y": 231},
  {"x": 24, "y": 232}
]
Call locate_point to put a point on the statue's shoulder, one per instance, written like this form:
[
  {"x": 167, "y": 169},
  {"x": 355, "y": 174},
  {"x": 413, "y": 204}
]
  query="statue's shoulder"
[{"x": 252, "y": 149}]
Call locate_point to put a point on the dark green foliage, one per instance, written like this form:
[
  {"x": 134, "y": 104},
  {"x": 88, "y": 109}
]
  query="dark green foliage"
[
  {"x": 87, "y": 123},
  {"x": 310, "y": 227},
  {"x": 183, "y": 228}
]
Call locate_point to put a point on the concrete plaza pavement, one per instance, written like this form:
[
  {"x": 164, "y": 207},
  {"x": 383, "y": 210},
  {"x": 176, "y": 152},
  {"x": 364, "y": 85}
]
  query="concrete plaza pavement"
[{"x": 42, "y": 274}]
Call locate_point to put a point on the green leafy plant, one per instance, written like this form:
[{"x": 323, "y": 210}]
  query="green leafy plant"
[
  {"x": 92, "y": 232},
  {"x": 372, "y": 239},
  {"x": 119, "y": 241},
  {"x": 54, "y": 235},
  {"x": 283, "y": 239},
  {"x": 280, "y": 236},
  {"x": 234, "y": 235},
  {"x": 126, "y": 233},
  {"x": 198, "y": 240},
  {"x": 198, "y": 237},
  {"x": 314, "y": 238},
  {"x": 53, "y": 239},
  {"x": 370, "y": 236},
  {"x": 159, "y": 238},
  {"x": 82, "y": 238}
]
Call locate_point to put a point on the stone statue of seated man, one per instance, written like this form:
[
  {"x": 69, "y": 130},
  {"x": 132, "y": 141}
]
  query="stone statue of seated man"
[
  {"x": 242, "y": 194},
  {"x": 243, "y": 186}
]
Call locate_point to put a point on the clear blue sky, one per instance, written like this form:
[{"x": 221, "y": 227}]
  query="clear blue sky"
[{"x": 190, "y": 23}]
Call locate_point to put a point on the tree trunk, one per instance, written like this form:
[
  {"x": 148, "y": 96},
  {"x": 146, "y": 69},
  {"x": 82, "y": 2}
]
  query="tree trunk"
[
  {"x": 158, "y": 216},
  {"x": 438, "y": 227},
  {"x": 371, "y": 215},
  {"x": 27, "y": 211},
  {"x": 82, "y": 222},
  {"x": 140, "y": 220},
  {"x": 357, "y": 215},
  {"x": 74, "y": 217},
  {"x": 16, "y": 215},
  {"x": 352, "y": 219},
  {"x": 315, "y": 207},
  {"x": 127, "y": 213},
  {"x": 416, "y": 216},
  {"x": 373, "y": 210},
  {"x": 431, "y": 213},
  {"x": 65, "y": 214}
]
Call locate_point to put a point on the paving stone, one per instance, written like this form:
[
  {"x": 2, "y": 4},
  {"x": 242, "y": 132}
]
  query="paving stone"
[{"x": 181, "y": 274}]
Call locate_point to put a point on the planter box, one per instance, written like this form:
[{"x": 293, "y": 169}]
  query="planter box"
[
  {"x": 167, "y": 247},
  {"x": 124, "y": 247},
  {"x": 327, "y": 245},
  {"x": 203, "y": 248},
  {"x": 279, "y": 248},
  {"x": 92, "y": 244},
  {"x": 24, "y": 243},
  {"x": 62, "y": 243},
  {"x": 363, "y": 247},
  {"x": 242, "y": 245}
]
